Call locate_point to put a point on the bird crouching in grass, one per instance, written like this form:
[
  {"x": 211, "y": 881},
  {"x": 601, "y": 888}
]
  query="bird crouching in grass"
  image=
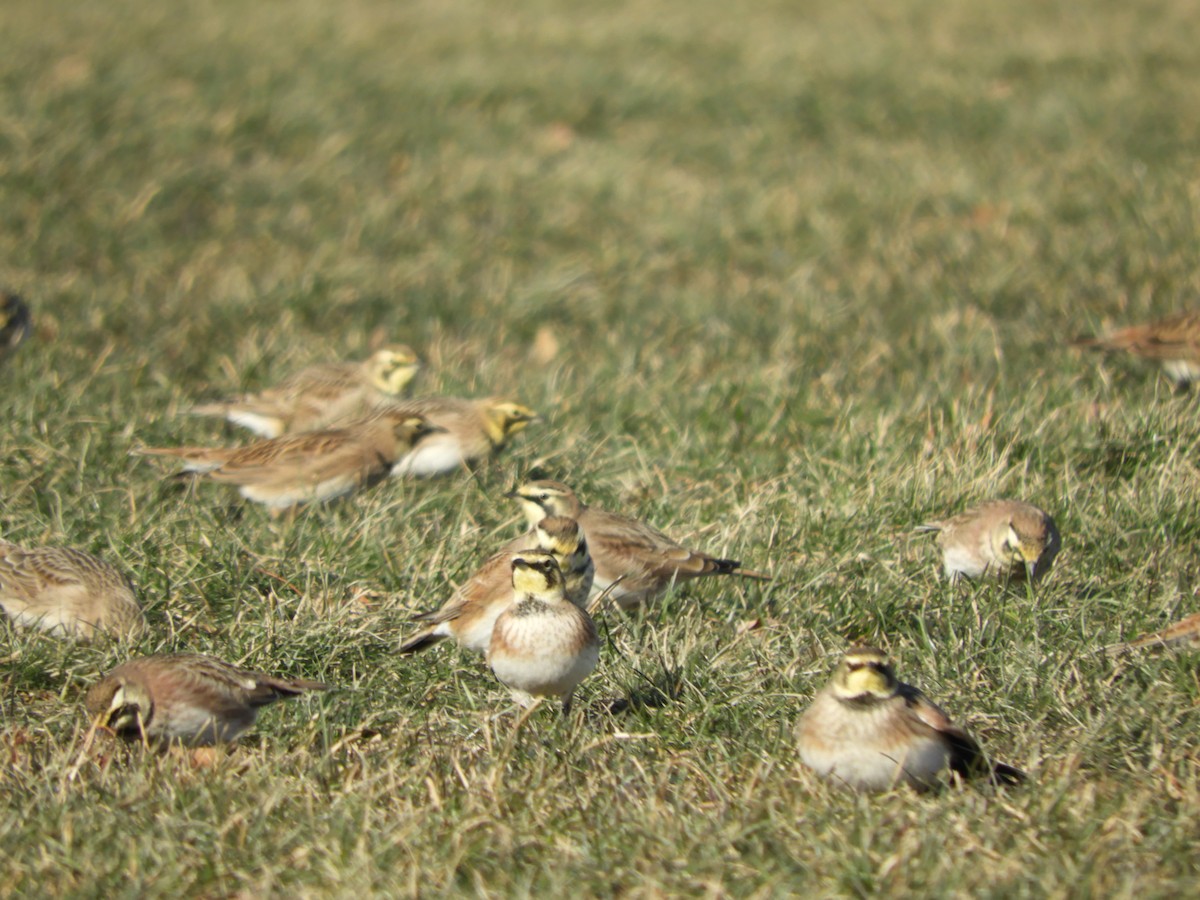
[
  {"x": 65, "y": 591},
  {"x": 313, "y": 466},
  {"x": 322, "y": 395},
  {"x": 186, "y": 698},
  {"x": 1000, "y": 539},
  {"x": 871, "y": 732},
  {"x": 469, "y": 431}
]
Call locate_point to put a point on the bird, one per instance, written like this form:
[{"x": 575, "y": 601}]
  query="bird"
[
  {"x": 869, "y": 731},
  {"x": 1174, "y": 342},
  {"x": 322, "y": 395},
  {"x": 542, "y": 645},
  {"x": 634, "y": 562},
  {"x": 15, "y": 323},
  {"x": 1185, "y": 632},
  {"x": 186, "y": 698},
  {"x": 67, "y": 592},
  {"x": 471, "y": 612},
  {"x": 312, "y": 466},
  {"x": 472, "y": 430},
  {"x": 998, "y": 539}
]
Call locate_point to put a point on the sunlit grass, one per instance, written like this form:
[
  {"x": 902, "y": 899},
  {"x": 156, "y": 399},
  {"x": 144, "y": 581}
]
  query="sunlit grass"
[{"x": 786, "y": 281}]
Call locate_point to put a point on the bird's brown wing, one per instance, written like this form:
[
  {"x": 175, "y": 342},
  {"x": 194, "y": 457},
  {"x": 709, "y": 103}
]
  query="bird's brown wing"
[
  {"x": 305, "y": 458},
  {"x": 225, "y": 688},
  {"x": 1185, "y": 631},
  {"x": 1170, "y": 338},
  {"x": 199, "y": 456},
  {"x": 491, "y": 577},
  {"x": 654, "y": 552},
  {"x": 966, "y": 756}
]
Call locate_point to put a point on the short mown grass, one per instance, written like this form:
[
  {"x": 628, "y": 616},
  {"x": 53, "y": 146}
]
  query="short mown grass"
[{"x": 785, "y": 281}]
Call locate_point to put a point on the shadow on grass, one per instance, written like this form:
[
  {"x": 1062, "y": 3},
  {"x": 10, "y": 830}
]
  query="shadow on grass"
[{"x": 665, "y": 688}]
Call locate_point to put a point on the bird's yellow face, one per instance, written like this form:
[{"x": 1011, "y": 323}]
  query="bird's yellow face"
[
  {"x": 393, "y": 368},
  {"x": 864, "y": 673},
  {"x": 1022, "y": 550},
  {"x": 504, "y": 419},
  {"x": 123, "y": 707},
  {"x": 542, "y": 499},
  {"x": 535, "y": 572}
]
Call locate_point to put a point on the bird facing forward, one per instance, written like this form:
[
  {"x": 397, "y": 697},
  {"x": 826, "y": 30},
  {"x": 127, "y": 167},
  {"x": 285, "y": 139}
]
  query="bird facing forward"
[
  {"x": 285, "y": 471},
  {"x": 66, "y": 591},
  {"x": 542, "y": 645},
  {"x": 321, "y": 396},
  {"x": 186, "y": 698},
  {"x": 871, "y": 732},
  {"x": 471, "y": 612},
  {"x": 634, "y": 562},
  {"x": 998, "y": 539}
]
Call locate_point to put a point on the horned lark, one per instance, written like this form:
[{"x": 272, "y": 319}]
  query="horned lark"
[
  {"x": 1184, "y": 632},
  {"x": 635, "y": 561},
  {"x": 186, "y": 698},
  {"x": 543, "y": 645},
  {"x": 471, "y": 430},
  {"x": 15, "y": 323},
  {"x": 322, "y": 395},
  {"x": 871, "y": 732},
  {"x": 1174, "y": 342},
  {"x": 314, "y": 466},
  {"x": 470, "y": 614},
  {"x": 998, "y": 539},
  {"x": 65, "y": 591}
]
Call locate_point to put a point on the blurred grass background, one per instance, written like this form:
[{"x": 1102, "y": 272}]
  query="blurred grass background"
[{"x": 785, "y": 280}]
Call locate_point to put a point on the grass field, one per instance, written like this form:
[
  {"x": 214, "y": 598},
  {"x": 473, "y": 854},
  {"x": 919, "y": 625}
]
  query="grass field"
[{"x": 785, "y": 280}]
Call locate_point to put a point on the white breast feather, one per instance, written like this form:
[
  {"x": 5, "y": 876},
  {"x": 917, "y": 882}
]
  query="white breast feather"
[
  {"x": 960, "y": 561},
  {"x": 619, "y": 595},
  {"x": 543, "y": 661},
  {"x": 272, "y": 496},
  {"x": 858, "y": 755},
  {"x": 196, "y": 725},
  {"x": 267, "y": 426},
  {"x": 478, "y": 635},
  {"x": 435, "y": 455}
]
